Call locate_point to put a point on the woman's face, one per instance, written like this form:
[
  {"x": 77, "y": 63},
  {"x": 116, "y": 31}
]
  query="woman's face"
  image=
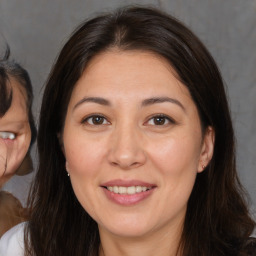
[
  {"x": 15, "y": 134},
  {"x": 133, "y": 144}
]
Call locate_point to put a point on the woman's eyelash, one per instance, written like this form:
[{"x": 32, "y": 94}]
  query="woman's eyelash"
[
  {"x": 95, "y": 120},
  {"x": 156, "y": 120},
  {"x": 160, "y": 120}
]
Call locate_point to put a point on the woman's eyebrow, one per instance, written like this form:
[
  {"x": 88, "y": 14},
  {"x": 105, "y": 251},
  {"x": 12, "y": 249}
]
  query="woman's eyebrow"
[
  {"x": 144, "y": 103},
  {"x": 156, "y": 100},
  {"x": 97, "y": 100}
]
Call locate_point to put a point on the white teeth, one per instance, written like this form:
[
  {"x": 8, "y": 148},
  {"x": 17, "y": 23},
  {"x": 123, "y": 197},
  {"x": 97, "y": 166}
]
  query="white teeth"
[
  {"x": 128, "y": 190},
  {"x": 144, "y": 189},
  {"x": 138, "y": 189},
  {"x": 122, "y": 190},
  {"x": 131, "y": 190},
  {"x": 7, "y": 135},
  {"x": 115, "y": 189}
]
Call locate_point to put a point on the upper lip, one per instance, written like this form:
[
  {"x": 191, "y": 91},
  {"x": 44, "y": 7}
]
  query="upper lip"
[{"x": 127, "y": 183}]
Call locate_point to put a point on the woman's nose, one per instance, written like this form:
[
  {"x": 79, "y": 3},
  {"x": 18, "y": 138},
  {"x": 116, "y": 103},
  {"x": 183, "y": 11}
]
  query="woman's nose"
[{"x": 126, "y": 149}]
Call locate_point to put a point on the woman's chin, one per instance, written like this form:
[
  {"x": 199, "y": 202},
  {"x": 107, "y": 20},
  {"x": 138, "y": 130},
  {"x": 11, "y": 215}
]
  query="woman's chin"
[{"x": 132, "y": 230}]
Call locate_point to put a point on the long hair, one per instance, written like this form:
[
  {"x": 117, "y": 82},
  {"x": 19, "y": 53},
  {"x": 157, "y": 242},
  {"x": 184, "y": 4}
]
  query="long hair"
[{"x": 217, "y": 221}]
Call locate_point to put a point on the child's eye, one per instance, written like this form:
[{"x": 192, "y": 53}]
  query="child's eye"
[
  {"x": 7, "y": 135},
  {"x": 160, "y": 120},
  {"x": 96, "y": 120}
]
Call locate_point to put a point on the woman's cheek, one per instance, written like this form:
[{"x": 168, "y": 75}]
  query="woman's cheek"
[
  {"x": 169, "y": 155},
  {"x": 84, "y": 156}
]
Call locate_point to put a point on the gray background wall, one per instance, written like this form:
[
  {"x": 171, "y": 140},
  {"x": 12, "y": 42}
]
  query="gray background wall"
[{"x": 36, "y": 30}]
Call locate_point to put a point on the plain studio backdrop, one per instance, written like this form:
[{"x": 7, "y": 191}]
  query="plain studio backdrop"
[{"x": 36, "y": 31}]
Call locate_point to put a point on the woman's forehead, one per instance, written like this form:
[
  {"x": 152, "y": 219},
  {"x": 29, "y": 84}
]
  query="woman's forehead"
[{"x": 115, "y": 71}]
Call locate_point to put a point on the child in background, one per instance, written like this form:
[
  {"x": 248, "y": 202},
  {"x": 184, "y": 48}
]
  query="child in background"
[{"x": 17, "y": 134}]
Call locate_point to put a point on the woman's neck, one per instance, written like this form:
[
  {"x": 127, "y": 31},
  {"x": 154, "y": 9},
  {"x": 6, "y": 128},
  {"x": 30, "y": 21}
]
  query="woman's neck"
[{"x": 158, "y": 243}]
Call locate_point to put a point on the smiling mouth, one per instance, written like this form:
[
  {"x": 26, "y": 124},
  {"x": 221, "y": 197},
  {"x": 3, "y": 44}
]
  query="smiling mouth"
[{"x": 127, "y": 190}]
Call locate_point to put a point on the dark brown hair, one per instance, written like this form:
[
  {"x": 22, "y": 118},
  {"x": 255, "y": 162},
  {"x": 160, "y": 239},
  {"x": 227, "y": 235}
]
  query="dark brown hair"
[{"x": 217, "y": 220}]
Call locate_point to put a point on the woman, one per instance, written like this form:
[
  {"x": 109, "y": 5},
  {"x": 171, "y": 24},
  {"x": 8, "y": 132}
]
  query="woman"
[
  {"x": 136, "y": 147},
  {"x": 17, "y": 134}
]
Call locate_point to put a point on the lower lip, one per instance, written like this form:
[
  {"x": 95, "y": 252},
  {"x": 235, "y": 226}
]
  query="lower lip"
[{"x": 126, "y": 199}]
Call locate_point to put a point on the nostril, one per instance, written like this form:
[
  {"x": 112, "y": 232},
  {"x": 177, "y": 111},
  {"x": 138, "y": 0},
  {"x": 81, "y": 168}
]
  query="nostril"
[
  {"x": 114, "y": 163},
  {"x": 135, "y": 164}
]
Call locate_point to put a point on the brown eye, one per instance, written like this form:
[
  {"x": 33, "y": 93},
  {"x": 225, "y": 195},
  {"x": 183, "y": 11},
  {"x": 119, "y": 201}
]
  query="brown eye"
[
  {"x": 96, "y": 120},
  {"x": 160, "y": 120}
]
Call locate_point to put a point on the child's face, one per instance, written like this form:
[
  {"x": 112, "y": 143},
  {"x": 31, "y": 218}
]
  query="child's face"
[{"x": 15, "y": 133}]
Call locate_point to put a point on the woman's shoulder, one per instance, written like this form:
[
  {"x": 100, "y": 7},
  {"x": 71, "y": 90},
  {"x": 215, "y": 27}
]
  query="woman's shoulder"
[{"x": 12, "y": 242}]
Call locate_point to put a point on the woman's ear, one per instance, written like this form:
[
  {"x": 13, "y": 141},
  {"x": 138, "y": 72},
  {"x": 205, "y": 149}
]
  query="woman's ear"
[
  {"x": 207, "y": 148},
  {"x": 67, "y": 168}
]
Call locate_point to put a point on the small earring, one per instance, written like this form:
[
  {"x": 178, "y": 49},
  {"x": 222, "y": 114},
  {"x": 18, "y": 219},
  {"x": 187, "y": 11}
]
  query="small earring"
[
  {"x": 67, "y": 169},
  {"x": 203, "y": 166}
]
